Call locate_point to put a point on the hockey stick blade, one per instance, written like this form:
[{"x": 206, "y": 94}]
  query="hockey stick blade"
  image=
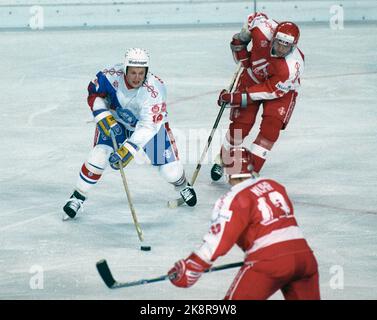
[
  {"x": 172, "y": 204},
  {"x": 111, "y": 283},
  {"x": 105, "y": 273}
]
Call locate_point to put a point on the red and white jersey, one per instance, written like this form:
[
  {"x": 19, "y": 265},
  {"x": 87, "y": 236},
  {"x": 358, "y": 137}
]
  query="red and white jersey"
[
  {"x": 258, "y": 216},
  {"x": 273, "y": 77}
]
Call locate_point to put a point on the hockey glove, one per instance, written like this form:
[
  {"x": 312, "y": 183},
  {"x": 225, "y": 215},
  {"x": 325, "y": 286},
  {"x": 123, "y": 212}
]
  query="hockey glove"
[
  {"x": 235, "y": 99},
  {"x": 187, "y": 271},
  {"x": 106, "y": 122},
  {"x": 239, "y": 50},
  {"x": 123, "y": 154}
]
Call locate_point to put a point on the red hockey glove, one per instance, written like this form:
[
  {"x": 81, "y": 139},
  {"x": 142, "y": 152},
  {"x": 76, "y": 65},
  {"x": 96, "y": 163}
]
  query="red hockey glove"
[
  {"x": 187, "y": 271},
  {"x": 239, "y": 50},
  {"x": 239, "y": 99}
]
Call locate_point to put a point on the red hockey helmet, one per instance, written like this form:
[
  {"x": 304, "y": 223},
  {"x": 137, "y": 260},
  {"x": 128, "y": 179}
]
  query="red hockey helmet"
[
  {"x": 285, "y": 39},
  {"x": 238, "y": 163}
]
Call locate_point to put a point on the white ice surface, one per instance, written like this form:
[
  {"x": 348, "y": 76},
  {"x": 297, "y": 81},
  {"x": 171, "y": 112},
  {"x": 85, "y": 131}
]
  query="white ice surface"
[{"x": 326, "y": 159}]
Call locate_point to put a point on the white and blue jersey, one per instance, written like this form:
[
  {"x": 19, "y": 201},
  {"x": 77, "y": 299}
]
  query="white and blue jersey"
[{"x": 140, "y": 111}]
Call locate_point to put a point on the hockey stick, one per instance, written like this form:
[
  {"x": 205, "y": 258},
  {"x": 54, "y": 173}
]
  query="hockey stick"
[
  {"x": 107, "y": 277},
  {"x": 178, "y": 202},
  {"x": 130, "y": 203}
]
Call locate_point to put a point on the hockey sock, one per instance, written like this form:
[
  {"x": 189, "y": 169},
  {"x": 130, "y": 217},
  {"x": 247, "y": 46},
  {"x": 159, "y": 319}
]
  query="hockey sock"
[
  {"x": 88, "y": 177},
  {"x": 259, "y": 156}
]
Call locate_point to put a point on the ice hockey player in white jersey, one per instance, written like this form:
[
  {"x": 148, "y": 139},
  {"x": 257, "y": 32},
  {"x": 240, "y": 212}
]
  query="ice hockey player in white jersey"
[{"x": 129, "y": 103}]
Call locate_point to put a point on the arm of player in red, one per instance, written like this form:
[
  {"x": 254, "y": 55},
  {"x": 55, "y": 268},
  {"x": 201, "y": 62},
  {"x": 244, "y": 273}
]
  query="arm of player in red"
[{"x": 187, "y": 271}]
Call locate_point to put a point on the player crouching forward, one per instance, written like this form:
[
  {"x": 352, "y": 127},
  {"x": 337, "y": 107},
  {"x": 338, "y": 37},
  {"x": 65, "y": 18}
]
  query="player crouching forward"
[
  {"x": 129, "y": 104},
  {"x": 258, "y": 216}
]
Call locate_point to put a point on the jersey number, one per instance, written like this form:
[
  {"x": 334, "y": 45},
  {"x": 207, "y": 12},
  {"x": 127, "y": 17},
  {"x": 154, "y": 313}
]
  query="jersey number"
[
  {"x": 157, "y": 118},
  {"x": 267, "y": 206}
]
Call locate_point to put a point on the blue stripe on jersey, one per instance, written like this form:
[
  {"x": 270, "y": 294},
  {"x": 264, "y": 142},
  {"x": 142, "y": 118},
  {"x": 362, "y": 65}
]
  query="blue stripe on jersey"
[{"x": 159, "y": 149}]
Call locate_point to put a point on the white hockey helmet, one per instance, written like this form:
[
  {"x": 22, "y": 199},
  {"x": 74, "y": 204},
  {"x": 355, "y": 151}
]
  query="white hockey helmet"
[{"x": 136, "y": 57}]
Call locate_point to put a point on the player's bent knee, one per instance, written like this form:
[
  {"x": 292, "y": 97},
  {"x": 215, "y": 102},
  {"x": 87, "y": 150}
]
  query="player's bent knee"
[
  {"x": 270, "y": 128},
  {"x": 172, "y": 171},
  {"x": 237, "y": 132},
  {"x": 99, "y": 156}
]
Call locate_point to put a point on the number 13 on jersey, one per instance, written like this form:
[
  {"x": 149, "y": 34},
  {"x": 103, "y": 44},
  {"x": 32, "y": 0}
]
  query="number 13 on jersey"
[{"x": 273, "y": 207}]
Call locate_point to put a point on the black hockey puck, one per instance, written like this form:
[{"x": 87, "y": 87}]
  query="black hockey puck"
[{"x": 145, "y": 248}]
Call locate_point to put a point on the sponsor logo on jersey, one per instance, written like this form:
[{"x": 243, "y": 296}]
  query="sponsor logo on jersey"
[
  {"x": 215, "y": 228},
  {"x": 297, "y": 73},
  {"x": 151, "y": 89},
  {"x": 236, "y": 113},
  {"x": 281, "y": 111},
  {"x": 283, "y": 87},
  {"x": 112, "y": 71},
  {"x": 264, "y": 43},
  {"x": 127, "y": 116},
  {"x": 220, "y": 202},
  {"x": 167, "y": 154},
  {"x": 225, "y": 214},
  {"x": 269, "y": 26},
  {"x": 255, "y": 17},
  {"x": 115, "y": 84},
  {"x": 221, "y": 211}
]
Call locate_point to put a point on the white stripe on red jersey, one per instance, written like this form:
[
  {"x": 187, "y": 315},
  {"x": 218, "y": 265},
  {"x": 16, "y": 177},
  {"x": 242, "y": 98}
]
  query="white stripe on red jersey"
[{"x": 285, "y": 234}]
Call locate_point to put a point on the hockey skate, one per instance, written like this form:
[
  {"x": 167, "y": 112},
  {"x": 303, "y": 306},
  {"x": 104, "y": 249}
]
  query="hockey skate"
[
  {"x": 73, "y": 205},
  {"x": 188, "y": 195},
  {"x": 217, "y": 170}
]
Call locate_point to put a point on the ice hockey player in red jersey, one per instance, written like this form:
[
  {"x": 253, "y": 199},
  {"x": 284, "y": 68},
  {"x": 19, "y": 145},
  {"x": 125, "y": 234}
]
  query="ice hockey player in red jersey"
[
  {"x": 270, "y": 78},
  {"x": 258, "y": 216}
]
